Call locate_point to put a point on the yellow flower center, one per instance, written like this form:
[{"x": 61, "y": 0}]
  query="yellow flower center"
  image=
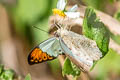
[{"x": 58, "y": 12}]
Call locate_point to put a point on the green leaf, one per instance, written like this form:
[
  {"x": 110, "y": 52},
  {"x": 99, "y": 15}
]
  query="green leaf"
[
  {"x": 28, "y": 77},
  {"x": 7, "y": 75},
  {"x": 94, "y": 29},
  {"x": 1, "y": 68},
  {"x": 70, "y": 69}
]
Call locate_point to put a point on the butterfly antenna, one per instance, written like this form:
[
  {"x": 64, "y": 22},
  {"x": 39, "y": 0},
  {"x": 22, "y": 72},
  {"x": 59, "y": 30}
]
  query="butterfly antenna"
[{"x": 40, "y": 29}]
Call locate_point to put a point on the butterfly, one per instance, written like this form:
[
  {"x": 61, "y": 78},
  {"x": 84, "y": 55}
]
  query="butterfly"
[{"x": 81, "y": 50}]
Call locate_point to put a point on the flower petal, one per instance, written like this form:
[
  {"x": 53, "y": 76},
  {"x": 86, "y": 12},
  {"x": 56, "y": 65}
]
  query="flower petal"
[
  {"x": 61, "y": 4},
  {"x": 72, "y": 14},
  {"x": 73, "y": 9}
]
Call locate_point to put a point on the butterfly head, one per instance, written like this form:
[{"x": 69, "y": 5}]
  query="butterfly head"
[{"x": 61, "y": 30}]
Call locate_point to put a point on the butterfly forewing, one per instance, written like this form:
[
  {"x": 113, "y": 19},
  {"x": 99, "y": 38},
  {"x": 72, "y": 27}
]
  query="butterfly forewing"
[
  {"x": 71, "y": 56},
  {"x": 47, "y": 50},
  {"x": 81, "y": 50}
]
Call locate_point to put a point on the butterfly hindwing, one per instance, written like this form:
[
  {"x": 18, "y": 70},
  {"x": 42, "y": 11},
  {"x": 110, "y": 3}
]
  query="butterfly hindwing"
[
  {"x": 38, "y": 56},
  {"x": 47, "y": 50},
  {"x": 52, "y": 47}
]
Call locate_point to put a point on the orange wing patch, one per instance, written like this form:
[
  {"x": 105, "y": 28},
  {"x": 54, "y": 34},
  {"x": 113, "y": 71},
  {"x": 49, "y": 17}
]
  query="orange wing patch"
[{"x": 37, "y": 56}]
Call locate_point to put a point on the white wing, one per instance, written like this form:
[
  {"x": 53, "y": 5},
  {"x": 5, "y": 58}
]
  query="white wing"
[
  {"x": 51, "y": 46},
  {"x": 82, "y": 50}
]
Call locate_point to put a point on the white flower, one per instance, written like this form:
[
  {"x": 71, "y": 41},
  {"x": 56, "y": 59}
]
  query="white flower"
[
  {"x": 60, "y": 10},
  {"x": 61, "y": 4}
]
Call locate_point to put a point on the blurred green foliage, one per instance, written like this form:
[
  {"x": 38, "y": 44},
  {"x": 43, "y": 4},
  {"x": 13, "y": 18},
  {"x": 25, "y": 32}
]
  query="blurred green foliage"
[
  {"x": 6, "y": 74},
  {"x": 112, "y": 1},
  {"x": 28, "y": 77},
  {"x": 108, "y": 65},
  {"x": 116, "y": 38},
  {"x": 1, "y": 69},
  {"x": 28, "y": 13},
  {"x": 117, "y": 15},
  {"x": 97, "y": 4},
  {"x": 9, "y": 74}
]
